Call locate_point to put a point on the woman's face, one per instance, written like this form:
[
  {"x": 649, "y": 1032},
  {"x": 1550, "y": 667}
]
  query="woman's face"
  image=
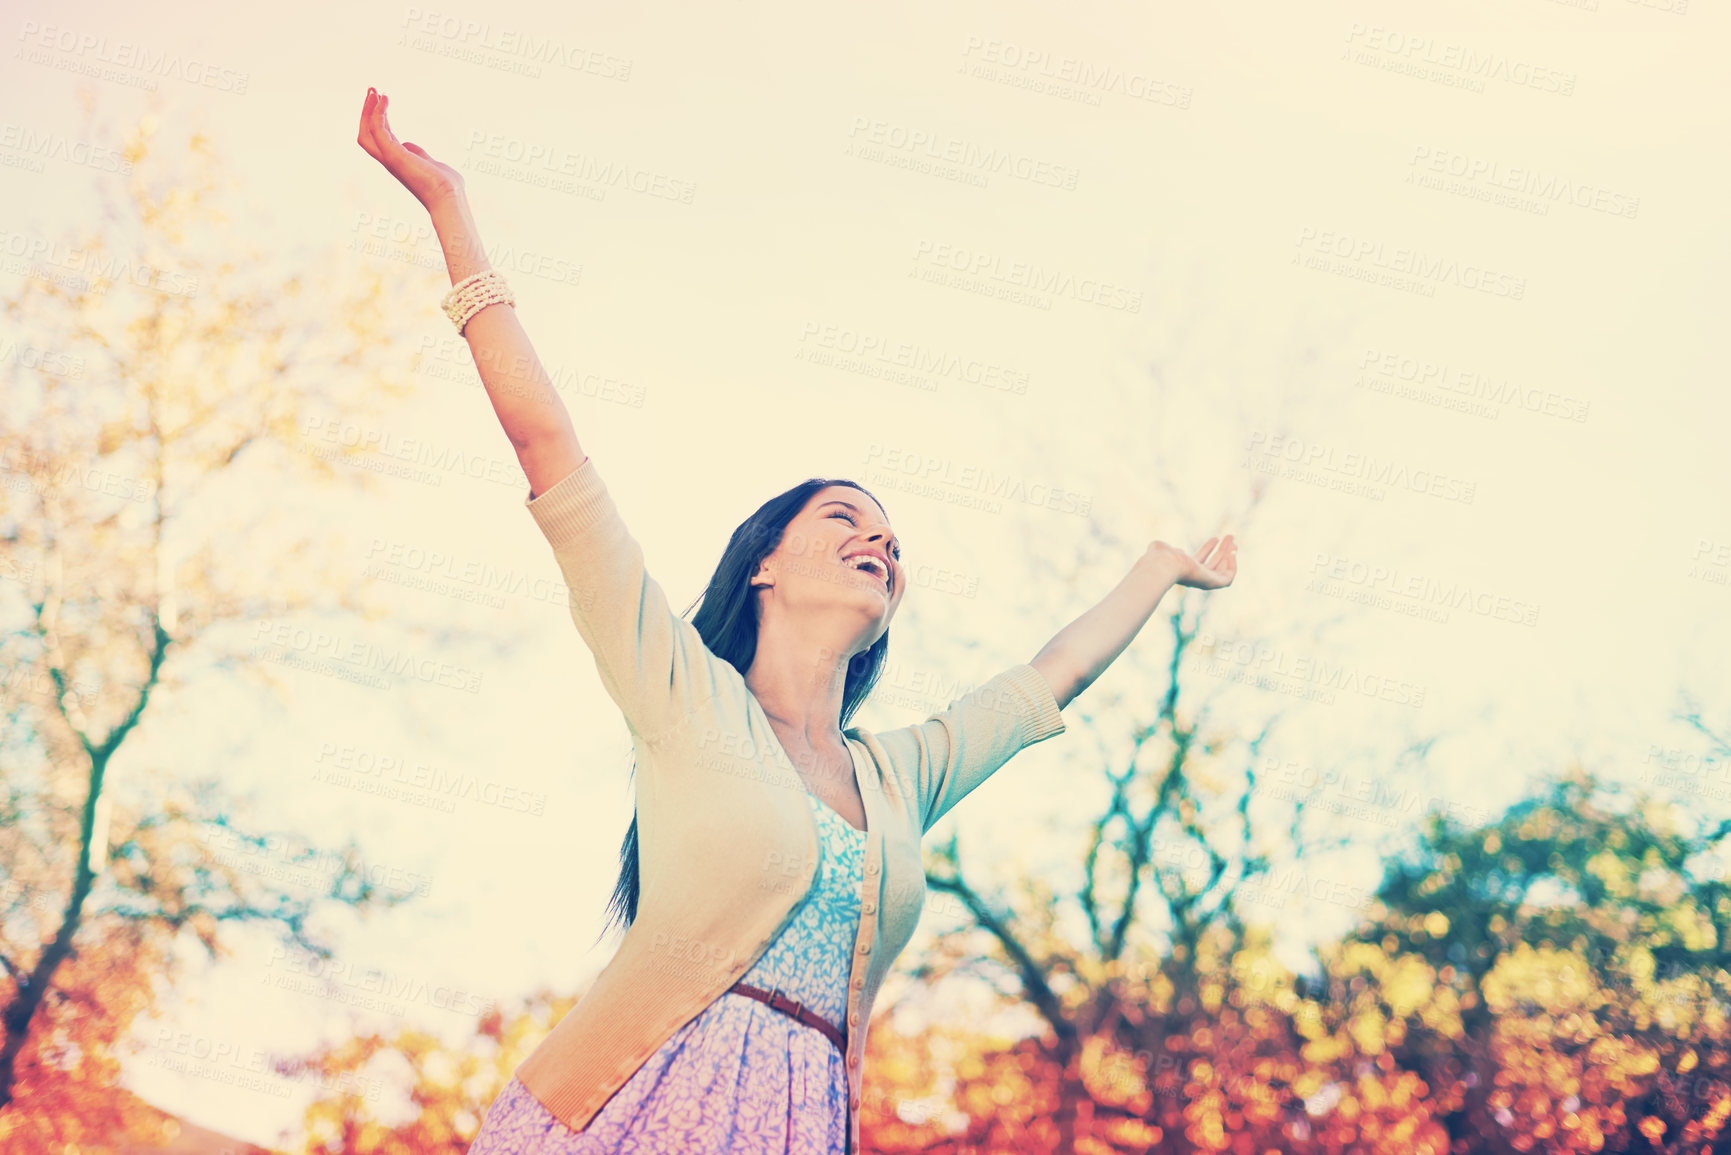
[{"x": 827, "y": 555}]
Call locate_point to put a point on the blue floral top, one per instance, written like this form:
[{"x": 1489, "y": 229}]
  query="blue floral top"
[{"x": 741, "y": 1076}]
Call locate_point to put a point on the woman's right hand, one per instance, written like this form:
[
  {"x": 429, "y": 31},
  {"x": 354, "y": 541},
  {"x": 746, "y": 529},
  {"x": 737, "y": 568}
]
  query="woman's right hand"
[{"x": 431, "y": 181}]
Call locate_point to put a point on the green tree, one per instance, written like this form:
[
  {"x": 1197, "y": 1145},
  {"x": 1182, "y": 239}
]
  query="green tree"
[{"x": 1566, "y": 977}]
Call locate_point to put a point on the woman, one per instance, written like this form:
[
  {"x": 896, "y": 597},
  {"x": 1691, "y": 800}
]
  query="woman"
[{"x": 779, "y": 852}]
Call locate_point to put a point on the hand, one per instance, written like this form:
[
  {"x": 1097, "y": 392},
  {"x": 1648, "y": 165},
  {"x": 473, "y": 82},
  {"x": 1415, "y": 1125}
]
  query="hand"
[
  {"x": 431, "y": 181},
  {"x": 1211, "y": 567}
]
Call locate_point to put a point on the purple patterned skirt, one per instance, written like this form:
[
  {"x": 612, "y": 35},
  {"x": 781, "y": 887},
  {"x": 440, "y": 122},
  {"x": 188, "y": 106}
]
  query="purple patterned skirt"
[{"x": 741, "y": 1076}]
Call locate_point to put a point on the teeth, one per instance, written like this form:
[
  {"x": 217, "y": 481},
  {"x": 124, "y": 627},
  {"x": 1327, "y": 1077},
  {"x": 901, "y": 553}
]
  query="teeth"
[{"x": 862, "y": 560}]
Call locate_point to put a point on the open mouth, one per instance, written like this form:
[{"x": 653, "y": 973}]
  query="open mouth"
[{"x": 871, "y": 564}]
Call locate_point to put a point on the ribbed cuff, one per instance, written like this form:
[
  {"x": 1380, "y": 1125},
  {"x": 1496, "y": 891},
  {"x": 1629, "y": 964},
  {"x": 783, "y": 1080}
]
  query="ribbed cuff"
[
  {"x": 1040, "y": 717},
  {"x": 577, "y": 503}
]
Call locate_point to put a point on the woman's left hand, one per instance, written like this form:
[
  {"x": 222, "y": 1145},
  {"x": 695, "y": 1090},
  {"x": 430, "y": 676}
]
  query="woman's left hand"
[{"x": 1211, "y": 567}]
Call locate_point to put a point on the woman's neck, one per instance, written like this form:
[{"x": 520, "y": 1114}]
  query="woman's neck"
[{"x": 798, "y": 681}]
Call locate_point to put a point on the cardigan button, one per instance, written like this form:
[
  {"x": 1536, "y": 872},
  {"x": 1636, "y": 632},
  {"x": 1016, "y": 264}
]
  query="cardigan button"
[
  {"x": 870, "y": 906},
  {"x": 853, "y": 1018},
  {"x": 865, "y": 948}
]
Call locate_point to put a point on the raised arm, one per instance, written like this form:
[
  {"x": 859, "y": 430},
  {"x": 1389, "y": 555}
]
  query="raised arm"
[
  {"x": 653, "y": 663},
  {"x": 529, "y": 409},
  {"x": 944, "y": 758},
  {"x": 1080, "y": 652}
]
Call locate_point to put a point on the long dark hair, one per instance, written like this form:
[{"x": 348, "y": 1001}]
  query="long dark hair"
[{"x": 727, "y": 623}]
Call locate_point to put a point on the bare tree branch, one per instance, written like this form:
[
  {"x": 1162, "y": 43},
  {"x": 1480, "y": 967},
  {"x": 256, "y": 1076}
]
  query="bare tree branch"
[{"x": 1029, "y": 971}]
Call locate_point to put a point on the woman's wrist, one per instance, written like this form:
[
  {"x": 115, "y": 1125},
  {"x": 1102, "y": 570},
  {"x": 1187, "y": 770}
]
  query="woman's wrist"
[
  {"x": 458, "y": 236},
  {"x": 451, "y": 200},
  {"x": 1162, "y": 564}
]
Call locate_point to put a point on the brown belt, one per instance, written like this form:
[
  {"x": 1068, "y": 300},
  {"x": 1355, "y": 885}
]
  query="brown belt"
[{"x": 794, "y": 1008}]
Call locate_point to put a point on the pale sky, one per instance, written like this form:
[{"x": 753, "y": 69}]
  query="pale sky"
[{"x": 1442, "y": 235}]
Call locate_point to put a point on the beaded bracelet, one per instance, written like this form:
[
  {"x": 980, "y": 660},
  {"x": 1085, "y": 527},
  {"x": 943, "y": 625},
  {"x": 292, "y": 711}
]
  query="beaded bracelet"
[{"x": 474, "y": 293}]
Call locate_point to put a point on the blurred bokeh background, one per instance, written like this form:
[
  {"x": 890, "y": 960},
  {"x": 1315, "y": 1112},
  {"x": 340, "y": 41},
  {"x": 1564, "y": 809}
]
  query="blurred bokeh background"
[{"x": 1410, "y": 841}]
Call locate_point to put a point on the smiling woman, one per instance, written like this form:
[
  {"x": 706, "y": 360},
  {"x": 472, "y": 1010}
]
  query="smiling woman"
[
  {"x": 772, "y": 870},
  {"x": 792, "y": 549}
]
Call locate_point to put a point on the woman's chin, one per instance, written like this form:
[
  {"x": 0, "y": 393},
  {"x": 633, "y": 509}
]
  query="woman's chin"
[{"x": 871, "y": 587}]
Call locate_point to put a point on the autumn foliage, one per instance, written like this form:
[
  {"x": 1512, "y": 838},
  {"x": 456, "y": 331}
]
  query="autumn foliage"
[{"x": 1466, "y": 1015}]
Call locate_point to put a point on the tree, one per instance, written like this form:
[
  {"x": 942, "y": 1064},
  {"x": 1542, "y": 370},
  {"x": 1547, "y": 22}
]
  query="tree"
[
  {"x": 1553, "y": 979},
  {"x": 154, "y": 364},
  {"x": 1573, "y": 973},
  {"x": 1177, "y": 864}
]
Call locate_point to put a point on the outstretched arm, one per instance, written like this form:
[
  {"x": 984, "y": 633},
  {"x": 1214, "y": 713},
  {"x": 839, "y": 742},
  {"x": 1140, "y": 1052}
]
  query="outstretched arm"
[
  {"x": 1081, "y": 651},
  {"x": 652, "y": 662},
  {"x": 529, "y": 408}
]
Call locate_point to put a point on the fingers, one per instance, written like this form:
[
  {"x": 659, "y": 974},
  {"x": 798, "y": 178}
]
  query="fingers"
[
  {"x": 1220, "y": 555},
  {"x": 1228, "y": 564},
  {"x": 376, "y": 135},
  {"x": 383, "y": 113},
  {"x": 1216, "y": 548},
  {"x": 365, "y": 137}
]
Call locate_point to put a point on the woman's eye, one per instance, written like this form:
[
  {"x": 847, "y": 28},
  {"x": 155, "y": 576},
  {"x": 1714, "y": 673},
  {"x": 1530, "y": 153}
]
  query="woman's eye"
[{"x": 851, "y": 521}]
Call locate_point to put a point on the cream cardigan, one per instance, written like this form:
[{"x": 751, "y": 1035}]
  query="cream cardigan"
[{"x": 727, "y": 842}]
